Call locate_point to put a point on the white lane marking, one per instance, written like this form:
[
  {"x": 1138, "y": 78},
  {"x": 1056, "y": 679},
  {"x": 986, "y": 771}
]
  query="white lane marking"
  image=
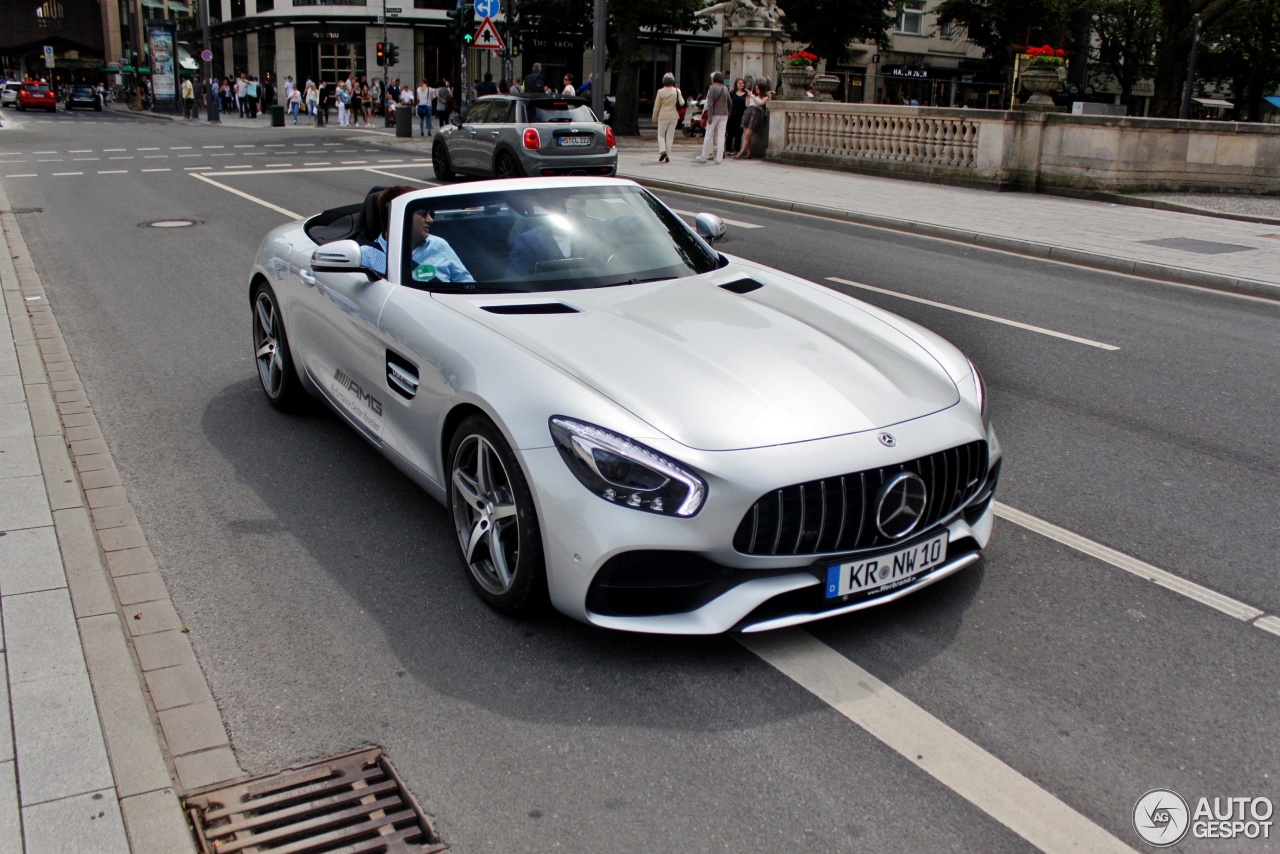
[
  {"x": 1120, "y": 560},
  {"x": 113, "y": 172},
  {"x": 306, "y": 144},
  {"x": 1269, "y": 624},
  {"x": 272, "y": 165},
  {"x": 274, "y": 145},
  {"x": 400, "y": 177},
  {"x": 201, "y": 155},
  {"x": 733, "y": 222},
  {"x": 195, "y": 168},
  {"x": 331, "y": 143},
  {"x": 23, "y": 175},
  {"x": 155, "y": 157},
  {"x": 345, "y": 151},
  {"x": 1040, "y": 329},
  {"x": 290, "y": 214},
  {"x": 121, "y": 157},
  {"x": 223, "y": 154},
  {"x": 115, "y": 149},
  {"x": 167, "y": 169},
  {"x": 400, "y": 160},
  {"x": 213, "y": 146},
  {"x": 246, "y": 154},
  {"x": 244, "y": 146},
  {"x": 44, "y": 152},
  {"x": 150, "y": 148},
  {"x": 302, "y": 169},
  {"x": 59, "y": 174},
  {"x": 84, "y": 159},
  {"x": 179, "y": 148},
  {"x": 353, "y": 162},
  {"x": 317, "y": 163},
  {"x": 80, "y": 151},
  {"x": 944, "y": 754},
  {"x": 49, "y": 160},
  {"x": 244, "y": 166}
]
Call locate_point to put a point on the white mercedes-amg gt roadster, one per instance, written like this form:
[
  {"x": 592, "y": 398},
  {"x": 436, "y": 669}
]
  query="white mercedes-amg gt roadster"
[{"x": 647, "y": 433}]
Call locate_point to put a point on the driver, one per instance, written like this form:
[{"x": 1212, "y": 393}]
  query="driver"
[{"x": 433, "y": 257}]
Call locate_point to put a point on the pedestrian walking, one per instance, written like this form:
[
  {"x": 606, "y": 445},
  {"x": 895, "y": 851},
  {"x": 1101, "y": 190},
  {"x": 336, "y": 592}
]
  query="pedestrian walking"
[
  {"x": 715, "y": 118},
  {"x": 733, "y": 129},
  {"x": 188, "y": 99},
  {"x": 752, "y": 117},
  {"x": 312, "y": 98},
  {"x": 344, "y": 102},
  {"x": 426, "y": 95},
  {"x": 242, "y": 95},
  {"x": 295, "y": 103},
  {"x": 253, "y": 91},
  {"x": 443, "y": 94},
  {"x": 535, "y": 83},
  {"x": 325, "y": 102},
  {"x": 368, "y": 97},
  {"x": 666, "y": 112}
]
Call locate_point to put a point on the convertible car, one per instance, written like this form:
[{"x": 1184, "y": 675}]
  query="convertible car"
[{"x": 621, "y": 420}]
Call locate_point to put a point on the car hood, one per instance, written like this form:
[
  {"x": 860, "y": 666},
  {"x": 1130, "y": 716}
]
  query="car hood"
[{"x": 718, "y": 370}]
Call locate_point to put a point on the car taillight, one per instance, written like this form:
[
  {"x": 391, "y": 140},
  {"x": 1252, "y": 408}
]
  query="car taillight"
[
  {"x": 531, "y": 139},
  {"x": 609, "y": 138}
]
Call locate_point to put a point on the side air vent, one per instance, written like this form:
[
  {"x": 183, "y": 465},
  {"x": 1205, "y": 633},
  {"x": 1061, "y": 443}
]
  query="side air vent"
[
  {"x": 743, "y": 286},
  {"x": 402, "y": 376},
  {"x": 531, "y": 308}
]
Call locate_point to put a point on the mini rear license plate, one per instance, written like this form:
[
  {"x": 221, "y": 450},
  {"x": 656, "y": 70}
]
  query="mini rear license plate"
[
  {"x": 574, "y": 140},
  {"x": 886, "y": 572}
]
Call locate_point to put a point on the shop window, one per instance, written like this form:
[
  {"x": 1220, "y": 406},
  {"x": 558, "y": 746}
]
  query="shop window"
[
  {"x": 912, "y": 21},
  {"x": 237, "y": 9},
  {"x": 266, "y": 6}
]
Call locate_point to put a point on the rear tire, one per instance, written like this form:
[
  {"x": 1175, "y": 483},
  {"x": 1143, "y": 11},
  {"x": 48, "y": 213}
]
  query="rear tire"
[
  {"x": 440, "y": 162},
  {"x": 505, "y": 166},
  {"x": 276, "y": 373}
]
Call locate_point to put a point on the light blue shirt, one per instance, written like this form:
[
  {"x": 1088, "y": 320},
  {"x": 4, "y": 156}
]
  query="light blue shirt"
[{"x": 436, "y": 254}]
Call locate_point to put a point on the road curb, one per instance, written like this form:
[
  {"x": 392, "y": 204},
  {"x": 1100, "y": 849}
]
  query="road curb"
[
  {"x": 1029, "y": 248},
  {"x": 102, "y": 550}
]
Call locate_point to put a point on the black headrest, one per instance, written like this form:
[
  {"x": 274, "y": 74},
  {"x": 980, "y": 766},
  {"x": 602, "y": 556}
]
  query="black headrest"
[{"x": 371, "y": 217}]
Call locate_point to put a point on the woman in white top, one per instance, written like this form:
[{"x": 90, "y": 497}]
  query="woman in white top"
[
  {"x": 343, "y": 99},
  {"x": 666, "y": 112},
  {"x": 295, "y": 103},
  {"x": 569, "y": 91},
  {"x": 312, "y": 98},
  {"x": 425, "y": 96}
]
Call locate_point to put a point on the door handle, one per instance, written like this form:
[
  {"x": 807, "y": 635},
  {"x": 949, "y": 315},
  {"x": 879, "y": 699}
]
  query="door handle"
[
  {"x": 495, "y": 134},
  {"x": 308, "y": 278}
]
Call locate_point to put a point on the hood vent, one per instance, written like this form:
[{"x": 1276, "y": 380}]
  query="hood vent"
[
  {"x": 743, "y": 286},
  {"x": 531, "y": 308}
]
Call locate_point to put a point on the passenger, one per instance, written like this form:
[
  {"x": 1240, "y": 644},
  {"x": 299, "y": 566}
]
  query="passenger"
[
  {"x": 564, "y": 235},
  {"x": 434, "y": 258}
]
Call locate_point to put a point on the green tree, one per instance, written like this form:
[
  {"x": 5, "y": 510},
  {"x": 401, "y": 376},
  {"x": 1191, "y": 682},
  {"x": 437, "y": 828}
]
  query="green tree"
[
  {"x": 627, "y": 17},
  {"x": 1241, "y": 50},
  {"x": 1177, "y": 30},
  {"x": 999, "y": 27},
  {"x": 828, "y": 26},
  {"x": 1126, "y": 32}
]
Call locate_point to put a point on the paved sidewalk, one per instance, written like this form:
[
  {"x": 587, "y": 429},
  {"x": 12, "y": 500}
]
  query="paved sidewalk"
[{"x": 82, "y": 768}]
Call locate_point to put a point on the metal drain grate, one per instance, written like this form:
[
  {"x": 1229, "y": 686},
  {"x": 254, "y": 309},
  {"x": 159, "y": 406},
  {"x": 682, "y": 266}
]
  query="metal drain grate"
[{"x": 351, "y": 803}]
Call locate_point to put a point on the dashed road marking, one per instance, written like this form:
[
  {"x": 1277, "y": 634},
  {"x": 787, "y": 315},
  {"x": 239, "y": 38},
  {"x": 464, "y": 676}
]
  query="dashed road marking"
[
  {"x": 62, "y": 174},
  {"x": 113, "y": 171},
  {"x": 23, "y": 175},
  {"x": 1004, "y": 320},
  {"x": 998, "y": 790},
  {"x": 167, "y": 169},
  {"x": 1120, "y": 560}
]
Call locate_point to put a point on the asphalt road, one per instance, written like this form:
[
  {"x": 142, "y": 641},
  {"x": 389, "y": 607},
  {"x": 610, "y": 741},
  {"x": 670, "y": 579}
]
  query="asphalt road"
[{"x": 329, "y": 611}]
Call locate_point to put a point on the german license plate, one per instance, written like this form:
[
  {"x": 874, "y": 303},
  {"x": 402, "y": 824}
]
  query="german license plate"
[
  {"x": 886, "y": 572},
  {"x": 574, "y": 140}
]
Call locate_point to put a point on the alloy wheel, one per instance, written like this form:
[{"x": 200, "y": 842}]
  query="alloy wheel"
[
  {"x": 484, "y": 514},
  {"x": 267, "y": 349}
]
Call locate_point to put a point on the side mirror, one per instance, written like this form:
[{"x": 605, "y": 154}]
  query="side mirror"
[
  {"x": 341, "y": 256},
  {"x": 455, "y": 120},
  {"x": 709, "y": 226}
]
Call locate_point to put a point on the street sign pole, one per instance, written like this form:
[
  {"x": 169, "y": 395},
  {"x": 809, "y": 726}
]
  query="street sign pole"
[
  {"x": 597, "y": 59},
  {"x": 385, "y": 67},
  {"x": 460, "y": 90},
  {"x": 211, "y": 94}
]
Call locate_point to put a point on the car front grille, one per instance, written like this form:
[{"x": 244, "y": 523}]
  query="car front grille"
[{"x": 838, "y": 514}]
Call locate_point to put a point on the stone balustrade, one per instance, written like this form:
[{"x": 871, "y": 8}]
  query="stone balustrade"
[{"x": 1025, "y": 150}]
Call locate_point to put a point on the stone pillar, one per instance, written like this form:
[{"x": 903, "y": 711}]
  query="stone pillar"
[
  {"x": 229, "y": 59},
  {"x": 254, "y": 70},
  {"x": 753, "y": 52},
  {"x": 286, "y": 56}
]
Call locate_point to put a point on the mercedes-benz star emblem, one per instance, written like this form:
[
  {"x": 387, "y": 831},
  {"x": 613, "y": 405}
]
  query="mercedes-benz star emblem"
[
  {"x": 887, "y": 440},
  {"x": 902, "y": 503}
]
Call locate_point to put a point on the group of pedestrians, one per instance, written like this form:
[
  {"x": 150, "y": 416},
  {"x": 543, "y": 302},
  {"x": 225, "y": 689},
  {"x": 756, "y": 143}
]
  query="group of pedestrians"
[{"x": 730, "y": 117}]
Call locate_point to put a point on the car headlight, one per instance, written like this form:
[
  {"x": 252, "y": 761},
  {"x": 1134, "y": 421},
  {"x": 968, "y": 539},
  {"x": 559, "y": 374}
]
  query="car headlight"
[
  {"x": 625, "y": 472},
  {"x": 980, "y": 389}
]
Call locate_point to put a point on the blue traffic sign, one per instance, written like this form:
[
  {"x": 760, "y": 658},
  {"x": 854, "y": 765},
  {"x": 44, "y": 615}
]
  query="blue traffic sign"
[{"x": 488, "y": 8}]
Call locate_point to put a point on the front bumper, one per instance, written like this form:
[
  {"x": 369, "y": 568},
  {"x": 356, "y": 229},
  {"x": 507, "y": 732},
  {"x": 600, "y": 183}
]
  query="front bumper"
[{"x": 697, "y": 583}]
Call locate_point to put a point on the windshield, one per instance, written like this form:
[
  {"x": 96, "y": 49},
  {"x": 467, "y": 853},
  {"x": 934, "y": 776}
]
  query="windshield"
[
  {"x": 560, "y": 111},
  {"x": 551, "y": 239},
  {"x": 39, "y": 90}
]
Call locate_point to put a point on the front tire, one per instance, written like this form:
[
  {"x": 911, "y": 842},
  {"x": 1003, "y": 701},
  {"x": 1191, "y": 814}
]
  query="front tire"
[
  {"x": 276, "y": 374},
  {"x": 496, "y": 524},
  {"x": 440, "y": 162}
]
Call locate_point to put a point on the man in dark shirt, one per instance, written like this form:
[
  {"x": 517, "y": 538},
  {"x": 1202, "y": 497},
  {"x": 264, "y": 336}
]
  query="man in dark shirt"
[
  {"x": 534, "y": 82},
  {"x": 487, "y": 86}
]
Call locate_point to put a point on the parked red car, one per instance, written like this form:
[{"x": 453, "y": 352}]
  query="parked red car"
[{"x": 37, "y": 95}]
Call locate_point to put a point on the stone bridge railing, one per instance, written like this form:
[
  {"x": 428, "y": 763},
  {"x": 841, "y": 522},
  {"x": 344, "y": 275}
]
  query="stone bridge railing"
[{"x": 1019, "y": 150}]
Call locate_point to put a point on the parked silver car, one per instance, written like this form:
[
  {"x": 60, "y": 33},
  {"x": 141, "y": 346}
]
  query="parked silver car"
[
  {"x": 9, "y": 93},
  {"x": 513, "y": 136}
]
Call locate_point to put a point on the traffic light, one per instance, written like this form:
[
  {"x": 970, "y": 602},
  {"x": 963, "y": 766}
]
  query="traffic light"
[
  {"x": 382, "y": 53},
  {"x": 460, "y": 24},
  {"x": 393, "y": 54}
]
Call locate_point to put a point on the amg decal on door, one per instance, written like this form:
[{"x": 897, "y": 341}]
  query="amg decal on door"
[{"x": 361, "y": 404}]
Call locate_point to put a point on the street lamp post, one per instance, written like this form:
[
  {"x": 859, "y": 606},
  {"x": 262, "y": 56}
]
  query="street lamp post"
[
  {"x": 1185, "y": 112},
  {"x": 212, "y": 95},
  {"x": 597, "y": 59}
]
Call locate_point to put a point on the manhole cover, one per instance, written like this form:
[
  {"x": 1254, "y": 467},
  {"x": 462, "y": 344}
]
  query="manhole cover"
[
  {"x": 351, "y": 803},
  {"x": 168, "y": 223},
  {"x": 1200, "y": 247}
]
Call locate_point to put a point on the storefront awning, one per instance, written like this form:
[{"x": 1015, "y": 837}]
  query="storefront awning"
[
  {"x": 186, "y": 62},
  {"x": 176, "y": 7},
  {"x": 1273, "y": 100},
  {"x": 1216, "y": 103}
]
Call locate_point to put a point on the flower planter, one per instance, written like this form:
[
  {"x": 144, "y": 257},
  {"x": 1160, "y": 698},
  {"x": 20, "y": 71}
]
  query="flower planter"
[
  {"x": 795, "y": 80},
  {"x": 825, "y": 86},
  {"x": 1041, "y": 82}
]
